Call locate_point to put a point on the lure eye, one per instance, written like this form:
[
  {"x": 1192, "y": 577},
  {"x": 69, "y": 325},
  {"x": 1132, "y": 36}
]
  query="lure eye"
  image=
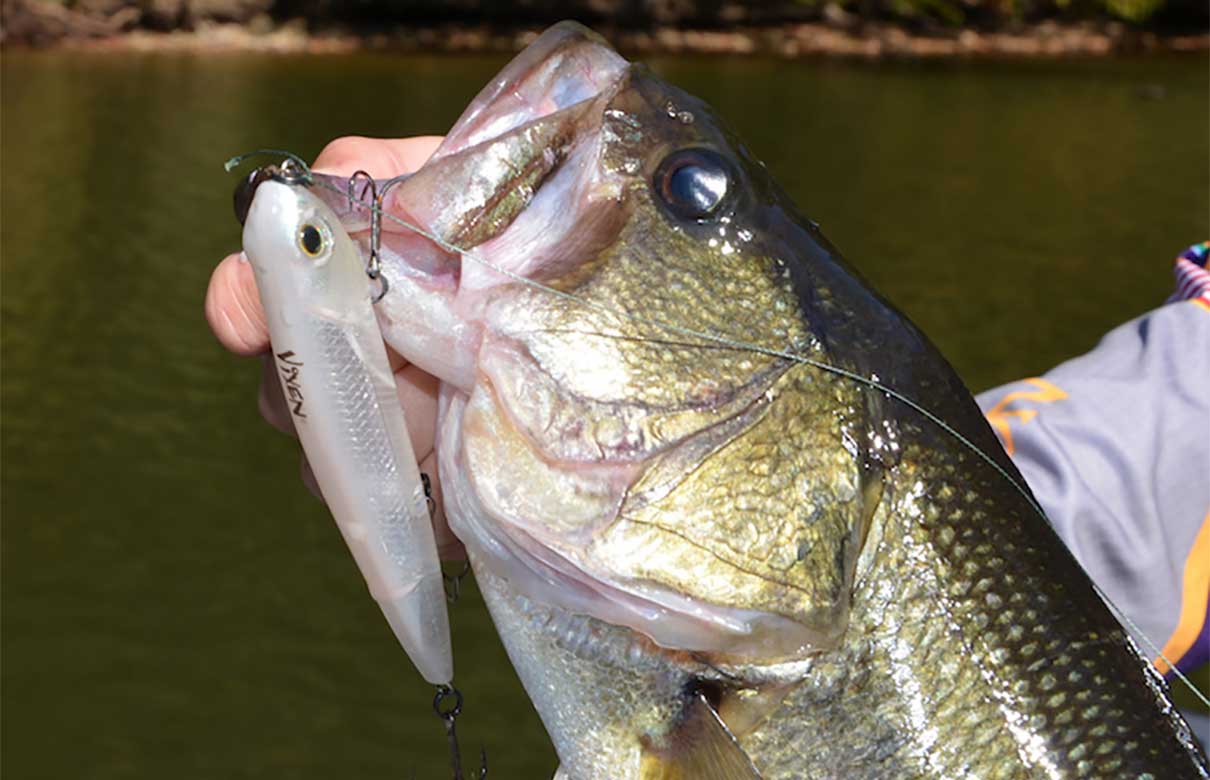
[
  {"x": 310, "y": 240},
  {"x": 693, "y": 183}
]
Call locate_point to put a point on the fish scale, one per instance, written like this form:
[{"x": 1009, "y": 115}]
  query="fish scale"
[
  {"x": 975, "y": 658},
  {"x": 357, "y": 401}
]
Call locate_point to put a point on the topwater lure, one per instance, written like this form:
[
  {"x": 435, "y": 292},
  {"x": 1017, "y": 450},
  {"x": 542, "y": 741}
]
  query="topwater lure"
[{"x": 340, "y": 390}]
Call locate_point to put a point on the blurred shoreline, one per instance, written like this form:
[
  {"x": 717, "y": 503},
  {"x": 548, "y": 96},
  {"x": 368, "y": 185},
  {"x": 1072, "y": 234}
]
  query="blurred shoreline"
[{"x": 114, "y": 25}]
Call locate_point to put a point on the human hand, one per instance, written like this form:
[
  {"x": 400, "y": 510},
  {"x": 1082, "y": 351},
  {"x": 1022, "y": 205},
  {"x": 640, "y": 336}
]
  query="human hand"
[{"x": 234, "y": 312}]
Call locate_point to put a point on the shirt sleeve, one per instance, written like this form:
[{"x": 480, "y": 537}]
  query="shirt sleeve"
[{"x": 1116, "y": 446}]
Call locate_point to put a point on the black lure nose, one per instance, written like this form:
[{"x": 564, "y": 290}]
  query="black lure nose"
[{"x": 245, "y": 190}]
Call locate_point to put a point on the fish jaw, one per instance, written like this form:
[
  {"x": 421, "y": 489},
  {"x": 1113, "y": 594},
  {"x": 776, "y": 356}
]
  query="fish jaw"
[{"x": 499, "y": 491}]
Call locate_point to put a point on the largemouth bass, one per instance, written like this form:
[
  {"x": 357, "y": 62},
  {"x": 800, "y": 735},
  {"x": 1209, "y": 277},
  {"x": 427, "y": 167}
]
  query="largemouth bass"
[
  {"x": 733, "y": 514},
  {"x": 337, "y": 382}
]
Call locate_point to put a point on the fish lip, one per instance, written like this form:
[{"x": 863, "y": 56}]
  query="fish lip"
[{"x": 567, "y": 64}]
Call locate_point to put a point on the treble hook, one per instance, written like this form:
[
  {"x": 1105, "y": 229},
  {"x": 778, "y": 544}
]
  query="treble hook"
[
  {"x": 374, "y": 266},
  {"x": 453, "y": 582},
  {"x": 370, "y": 188},
  {"x": 448, "y": 714},
  {"x": 428, "y": 494},
  {"x": 376, "y": 229}
]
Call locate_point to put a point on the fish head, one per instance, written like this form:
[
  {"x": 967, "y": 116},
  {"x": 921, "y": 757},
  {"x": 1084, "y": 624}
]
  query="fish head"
[
  {"x": 658, "y": 439},
  {"x": 603, "y": 280}
]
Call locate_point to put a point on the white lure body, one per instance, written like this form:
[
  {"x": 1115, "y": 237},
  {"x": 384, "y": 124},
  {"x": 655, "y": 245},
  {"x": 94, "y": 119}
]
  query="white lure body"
[{"x": 338, "y": 385}]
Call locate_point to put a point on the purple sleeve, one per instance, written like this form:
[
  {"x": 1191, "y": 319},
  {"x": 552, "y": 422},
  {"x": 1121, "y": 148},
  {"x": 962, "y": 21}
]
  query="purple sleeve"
[{"x": 1116, "y": 446}]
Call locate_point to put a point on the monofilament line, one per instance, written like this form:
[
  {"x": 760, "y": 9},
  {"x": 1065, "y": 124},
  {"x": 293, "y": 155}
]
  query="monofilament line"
[
  {"x": 723, "y": 341},
  {"x": 785, "y": 355}
]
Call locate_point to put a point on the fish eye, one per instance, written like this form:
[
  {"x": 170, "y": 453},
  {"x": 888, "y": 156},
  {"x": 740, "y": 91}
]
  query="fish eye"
[
  {"x": 310, "y": 240},
  {"x": 693, "y": 183}
]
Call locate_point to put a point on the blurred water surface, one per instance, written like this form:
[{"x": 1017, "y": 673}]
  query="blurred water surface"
[{"x": 175, "y": 603}]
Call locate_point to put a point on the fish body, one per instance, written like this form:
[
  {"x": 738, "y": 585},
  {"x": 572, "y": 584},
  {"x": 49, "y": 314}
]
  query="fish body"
[
  {"x": 338, "y": 385},
  {"x": 733, "y": 515}
]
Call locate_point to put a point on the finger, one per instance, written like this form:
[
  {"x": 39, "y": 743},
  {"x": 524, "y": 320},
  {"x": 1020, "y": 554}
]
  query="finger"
[
  {"x": 270, "y": 402},
  {"x": 417, "y": 392},
  {"x": 232, "y": 304},
  {"x": 382, "y": 158},
  {"x": 233, "y": 308}
]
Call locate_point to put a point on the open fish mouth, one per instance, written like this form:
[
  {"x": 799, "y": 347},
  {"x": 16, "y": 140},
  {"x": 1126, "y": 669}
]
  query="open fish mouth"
[
  {"x": 530, "y": 132},
  {"x": 502, "y": 252}
]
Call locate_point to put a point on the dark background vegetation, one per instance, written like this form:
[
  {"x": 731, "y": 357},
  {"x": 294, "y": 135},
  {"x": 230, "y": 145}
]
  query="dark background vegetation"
[
  {"x": 47, "y": 21},
  {"x": 724, "y": 13}
]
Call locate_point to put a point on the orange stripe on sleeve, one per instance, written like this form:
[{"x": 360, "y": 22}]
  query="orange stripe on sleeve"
[
  {"x": 1195, "y": 593},
  {"x": 1201, "y": 301},
  {"x": 998, "y": 416}
]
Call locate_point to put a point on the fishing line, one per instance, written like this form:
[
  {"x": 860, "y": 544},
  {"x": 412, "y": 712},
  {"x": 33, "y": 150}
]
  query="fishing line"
[
  {"x": 1177, "y": 673},
  {"x": 793, "y": 357},
  {"x": 740, "y": 346},
  {"x": 709, "y": 337},
  {"x": 239, "y": 159}
]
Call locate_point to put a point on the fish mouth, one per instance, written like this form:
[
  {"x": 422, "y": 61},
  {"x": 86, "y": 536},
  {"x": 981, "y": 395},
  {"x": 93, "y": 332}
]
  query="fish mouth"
[
  {"x": 520, "y": 153},
  {"x": 519, "y": 192},
  {"x": 527, "y": 149},
  {"x": 507, "y": 194}
]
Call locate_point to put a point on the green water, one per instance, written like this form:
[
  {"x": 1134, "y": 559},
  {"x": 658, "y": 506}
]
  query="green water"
[{"x": 176, "y": 605}]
